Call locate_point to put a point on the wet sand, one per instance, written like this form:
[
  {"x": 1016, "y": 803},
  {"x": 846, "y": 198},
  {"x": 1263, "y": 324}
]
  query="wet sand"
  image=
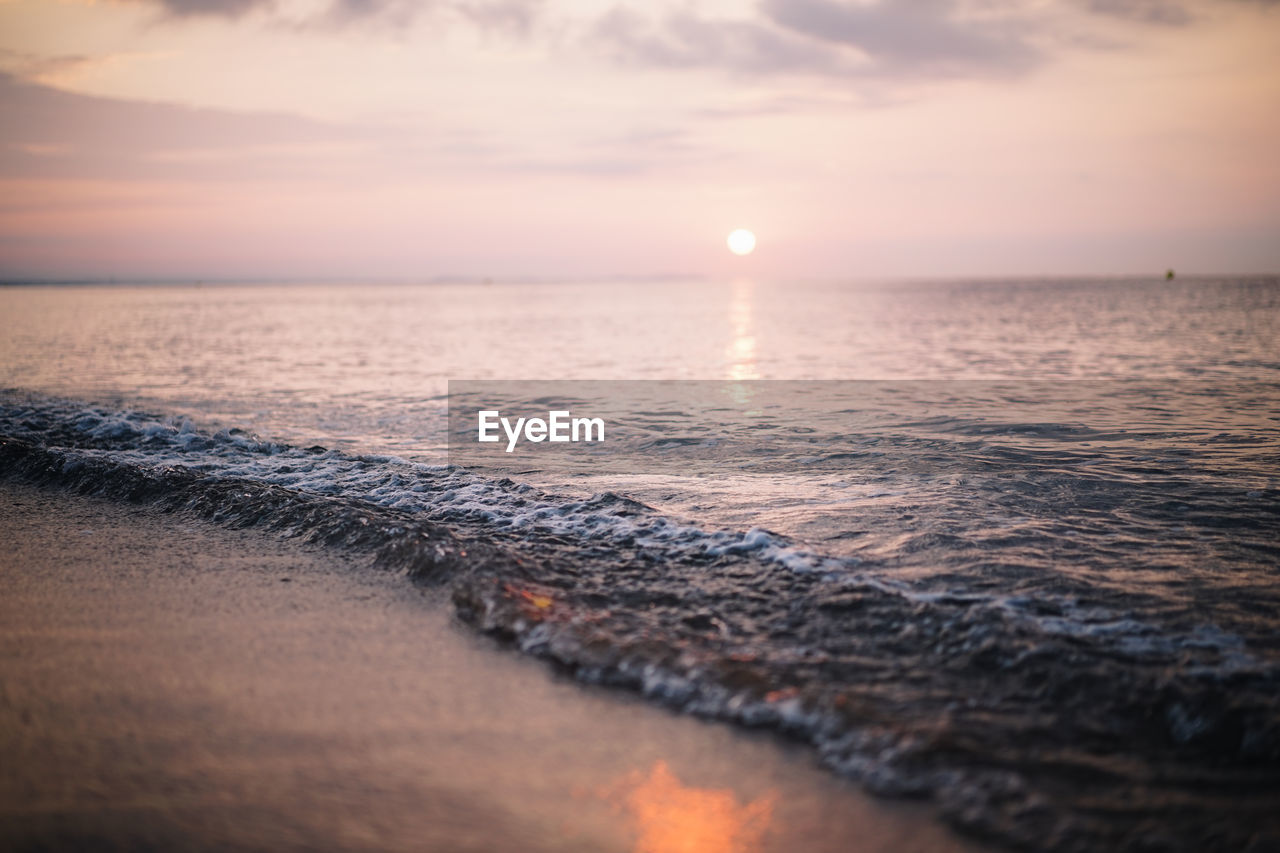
[{"x": 169, "y": 684}]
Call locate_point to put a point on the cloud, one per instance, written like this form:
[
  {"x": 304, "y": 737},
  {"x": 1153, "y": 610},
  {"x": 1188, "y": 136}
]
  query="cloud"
[
  {"x": 49, "y": 133},
  {"x": 881, "y": 39},
  {"x": 514, "y": 17},
  {"x": 926, "y": 38},
  {"x": 1160, "y": 12},
  {"x": 34, "y": 66},
  {"x": 684, "y": 40},
  {"x": 1171, "y": 13},
  {"x": 509, "y": 16},
  {"x": 211, "y": 8},
  {"x": 63, "y": 70},
  {"x": 342, "y": 13}
]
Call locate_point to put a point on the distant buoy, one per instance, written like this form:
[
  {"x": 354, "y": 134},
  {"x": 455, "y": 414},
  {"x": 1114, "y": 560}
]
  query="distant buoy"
[{"x": 1168, "y": 275}]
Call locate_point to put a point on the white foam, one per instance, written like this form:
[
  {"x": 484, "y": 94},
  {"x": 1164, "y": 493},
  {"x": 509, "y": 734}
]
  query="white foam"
[{"x": 439, "y": 491}]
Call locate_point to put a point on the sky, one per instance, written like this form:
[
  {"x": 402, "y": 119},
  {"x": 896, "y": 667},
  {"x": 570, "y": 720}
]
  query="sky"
[{"x": 392, "y": 139}]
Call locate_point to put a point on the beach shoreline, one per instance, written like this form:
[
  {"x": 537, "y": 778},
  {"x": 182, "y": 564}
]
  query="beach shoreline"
[{"x": 173, "y": 684}]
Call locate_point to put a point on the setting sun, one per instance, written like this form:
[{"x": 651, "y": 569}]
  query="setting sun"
[{"x": 742, "y": 242}]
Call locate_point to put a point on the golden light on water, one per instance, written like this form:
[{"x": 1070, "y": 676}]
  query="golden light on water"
[
  {"x": 741, "y": 241},
  {"x": 741, "y": 352},
  {"x": 670, "y": 817}
]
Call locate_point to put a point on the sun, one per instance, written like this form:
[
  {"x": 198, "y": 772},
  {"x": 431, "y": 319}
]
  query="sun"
[{"x": 742, "y": 242}]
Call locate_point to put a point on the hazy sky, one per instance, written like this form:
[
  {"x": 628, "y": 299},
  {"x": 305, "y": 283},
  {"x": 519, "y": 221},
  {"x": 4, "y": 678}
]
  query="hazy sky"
[{"x": 392, "y": 138}]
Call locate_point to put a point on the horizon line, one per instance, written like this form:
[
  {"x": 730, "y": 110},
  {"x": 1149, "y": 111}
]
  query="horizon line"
[{"x": 196, "y": 280}]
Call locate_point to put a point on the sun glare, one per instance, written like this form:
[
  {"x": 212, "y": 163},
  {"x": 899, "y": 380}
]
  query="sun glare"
[{"x": 742, "y": 242}]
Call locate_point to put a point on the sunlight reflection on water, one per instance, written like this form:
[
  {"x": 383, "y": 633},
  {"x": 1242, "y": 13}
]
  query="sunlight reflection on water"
[{"x": 671, "y": 817}]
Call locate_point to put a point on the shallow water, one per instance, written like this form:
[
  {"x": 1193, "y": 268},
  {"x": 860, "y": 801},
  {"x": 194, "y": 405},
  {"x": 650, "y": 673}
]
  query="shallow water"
[{"x": 1047, "y": 600}]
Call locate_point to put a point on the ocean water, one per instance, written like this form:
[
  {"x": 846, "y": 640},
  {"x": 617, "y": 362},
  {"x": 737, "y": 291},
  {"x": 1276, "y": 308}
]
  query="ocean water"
[{"x": 1012, "y": 545}]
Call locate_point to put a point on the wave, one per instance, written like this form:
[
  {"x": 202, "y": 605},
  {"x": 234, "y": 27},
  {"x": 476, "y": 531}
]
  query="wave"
[{"x": 1046, "y": 721}]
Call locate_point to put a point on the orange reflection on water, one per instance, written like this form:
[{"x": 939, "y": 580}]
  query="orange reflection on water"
[
  {"x": 741, "y": 352},
  {"x": 670, "y": 817}
]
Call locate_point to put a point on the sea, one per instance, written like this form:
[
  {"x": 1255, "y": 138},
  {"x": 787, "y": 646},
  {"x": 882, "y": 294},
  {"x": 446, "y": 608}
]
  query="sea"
[{"x": 1011, "y": 546}]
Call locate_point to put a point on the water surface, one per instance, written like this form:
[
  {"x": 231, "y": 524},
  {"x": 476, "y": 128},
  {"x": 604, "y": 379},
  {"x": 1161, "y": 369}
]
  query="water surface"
[{"x": 1038, "y": 581}]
